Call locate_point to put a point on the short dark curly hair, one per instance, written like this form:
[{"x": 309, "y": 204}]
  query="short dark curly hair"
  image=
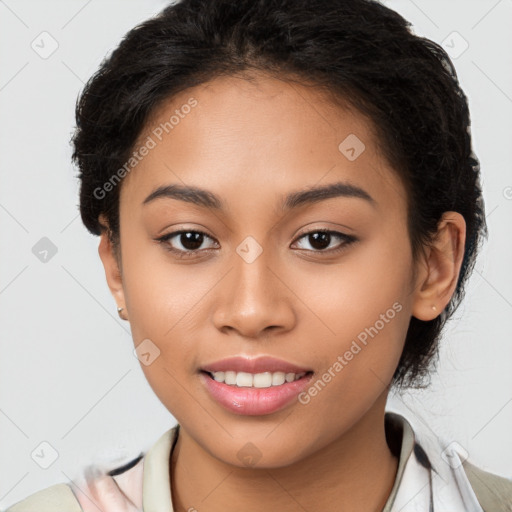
[{"x": 359, "y": 51}]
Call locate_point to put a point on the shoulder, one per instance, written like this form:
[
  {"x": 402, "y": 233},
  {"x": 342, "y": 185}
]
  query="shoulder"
[
  {"x": 100, "y": 488},
  {"x": 454, "y": 479},
  {"x": 493, "y": 492},
  {"x": 97, "y": 489},
  {"x": 53, "y": 498}
]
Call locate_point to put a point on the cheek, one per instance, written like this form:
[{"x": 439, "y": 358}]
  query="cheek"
[
  {"x": 353, "y": 294},
  {"x": 365, "y": 303},
  {"x": 162, "y": 302},
  {"x": 159, "y": 294}
]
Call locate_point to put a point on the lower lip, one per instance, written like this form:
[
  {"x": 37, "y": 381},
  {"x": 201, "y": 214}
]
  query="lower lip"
[{"x": 254, "y": 401}]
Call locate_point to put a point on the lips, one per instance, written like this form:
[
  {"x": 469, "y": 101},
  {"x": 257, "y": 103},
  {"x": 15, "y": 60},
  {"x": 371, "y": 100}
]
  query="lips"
[
  {"x": 254, "y": 398},
  {"x": 254, "y": 365}
]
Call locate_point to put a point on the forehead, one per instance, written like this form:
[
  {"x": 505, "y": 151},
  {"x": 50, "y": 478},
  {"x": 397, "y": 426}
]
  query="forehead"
[{"x": 252, "y": 137}]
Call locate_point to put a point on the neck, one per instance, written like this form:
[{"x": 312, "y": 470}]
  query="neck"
[{"x": 355, "y": 472}]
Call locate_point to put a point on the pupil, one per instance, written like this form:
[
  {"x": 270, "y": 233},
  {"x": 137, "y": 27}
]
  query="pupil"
[
  {"x": 320, "y": 240},
  {"x": 191, "y": 241}
]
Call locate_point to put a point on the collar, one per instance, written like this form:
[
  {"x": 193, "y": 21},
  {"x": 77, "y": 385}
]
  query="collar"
[
  {"x": 432, "y": 476},
  {"x": 428, "y": 477},
  {"x": 156, "y": 484}
]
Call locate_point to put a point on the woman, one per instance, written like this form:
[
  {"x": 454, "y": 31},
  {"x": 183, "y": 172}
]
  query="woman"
[{"x": 288, "y": 209}]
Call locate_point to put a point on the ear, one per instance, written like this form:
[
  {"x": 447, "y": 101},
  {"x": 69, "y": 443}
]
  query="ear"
[
  {"x": 112, "y": 264},
  {"x": 440, "y": 267}
]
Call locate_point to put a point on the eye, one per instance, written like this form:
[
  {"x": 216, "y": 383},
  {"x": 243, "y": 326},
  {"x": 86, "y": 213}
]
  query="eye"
[
  {"x": 321, "y": 240},
  {"x": 185, "y": 242}
]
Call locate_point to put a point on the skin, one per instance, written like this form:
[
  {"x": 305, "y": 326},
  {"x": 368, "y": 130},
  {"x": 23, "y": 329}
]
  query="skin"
[{"x": 251, "y": 143}]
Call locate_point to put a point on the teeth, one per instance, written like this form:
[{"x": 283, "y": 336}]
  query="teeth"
[
  {"x": 278, "y": 378},
  {"x": 243, "y": 380},
  {"x": 258, "y": 380},
  {"x": 229, "y": 377}
]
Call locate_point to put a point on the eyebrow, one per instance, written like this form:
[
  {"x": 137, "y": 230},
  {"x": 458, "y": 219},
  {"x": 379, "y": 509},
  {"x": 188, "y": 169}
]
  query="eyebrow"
[{"x": 207, "y": 199}]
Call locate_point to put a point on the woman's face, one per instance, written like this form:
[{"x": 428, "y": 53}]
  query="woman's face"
[{"x": 263, "y": 280}]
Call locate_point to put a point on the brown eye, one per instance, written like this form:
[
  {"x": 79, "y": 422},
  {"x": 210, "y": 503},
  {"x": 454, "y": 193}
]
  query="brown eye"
[
  {"x": 191, "y": 240},
  {"x": 321, "y": 240},
  {"x": 185, "y": 242}
]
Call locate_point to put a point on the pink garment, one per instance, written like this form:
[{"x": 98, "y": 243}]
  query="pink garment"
[{"x": 119, "y": 493}]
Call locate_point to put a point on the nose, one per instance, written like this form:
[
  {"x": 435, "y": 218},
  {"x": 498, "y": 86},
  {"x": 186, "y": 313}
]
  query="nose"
[{"x": 254, "y": 299}]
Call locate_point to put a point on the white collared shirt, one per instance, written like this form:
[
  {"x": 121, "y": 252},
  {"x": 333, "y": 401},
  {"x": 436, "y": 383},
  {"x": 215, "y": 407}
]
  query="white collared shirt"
[{"x": 430, "y": 478}]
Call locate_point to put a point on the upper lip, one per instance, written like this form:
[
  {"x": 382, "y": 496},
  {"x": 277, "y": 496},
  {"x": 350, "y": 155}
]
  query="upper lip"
[{"x": 253, "y": 365}]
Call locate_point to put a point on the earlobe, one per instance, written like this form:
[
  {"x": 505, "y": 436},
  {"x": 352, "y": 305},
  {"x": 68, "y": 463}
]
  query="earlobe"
[
  {"x": 441, "y": 265},
  {"x": 113, "y": 273}
]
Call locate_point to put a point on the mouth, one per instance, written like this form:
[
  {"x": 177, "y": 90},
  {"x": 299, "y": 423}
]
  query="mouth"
[
  {"x": 254, "y": 385},
  {"x": 255, "y": 380},
  {"x": 255, "y": 394}
]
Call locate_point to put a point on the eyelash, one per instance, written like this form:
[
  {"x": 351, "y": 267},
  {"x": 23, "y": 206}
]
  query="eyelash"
[{"x": 164, "y": 240}]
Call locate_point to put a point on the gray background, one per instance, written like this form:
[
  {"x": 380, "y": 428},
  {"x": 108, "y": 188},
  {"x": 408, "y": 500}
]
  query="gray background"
[{"x": 67, "y": 372}]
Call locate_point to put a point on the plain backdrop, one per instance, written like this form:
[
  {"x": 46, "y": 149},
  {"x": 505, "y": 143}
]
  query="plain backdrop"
[{"x": 68, "y": 376}]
